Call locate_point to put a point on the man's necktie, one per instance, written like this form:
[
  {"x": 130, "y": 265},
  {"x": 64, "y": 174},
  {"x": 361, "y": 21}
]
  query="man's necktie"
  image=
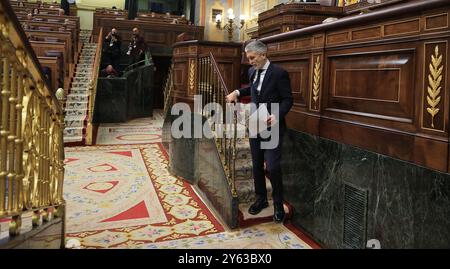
[{"x": 256, "y": 83}]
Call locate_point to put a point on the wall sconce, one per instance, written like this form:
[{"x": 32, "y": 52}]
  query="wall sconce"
[{"x": 230, "y": 26}]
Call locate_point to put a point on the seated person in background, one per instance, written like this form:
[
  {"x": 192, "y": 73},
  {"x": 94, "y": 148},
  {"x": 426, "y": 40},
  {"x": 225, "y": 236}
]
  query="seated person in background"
[
  {"x": 174, "y": 21},
  {"x": 60, "y": 12},
  {"x": 109, "y": 72},
  {"x": 111, "y": 48},
  {"x": 20, "y": 4},
  {"x": 153, "y": 15},
  {"x": 29, "y": 16},
  {"x": 136, "y": 48},
  {"x": 35, "y": 11},
  {"x": 167, "y": 15}
]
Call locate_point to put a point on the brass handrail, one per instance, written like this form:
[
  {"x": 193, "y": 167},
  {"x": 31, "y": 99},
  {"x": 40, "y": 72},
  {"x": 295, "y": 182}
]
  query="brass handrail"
[
  {"x": 93, "y": 88},
  {"x": 168, "y": 89},
  {"x": 213, "y": 89},
  {"x": 31, "y": 130}
]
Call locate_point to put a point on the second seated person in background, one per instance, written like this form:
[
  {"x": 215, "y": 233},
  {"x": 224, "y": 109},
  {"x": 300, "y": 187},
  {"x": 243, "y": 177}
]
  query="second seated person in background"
[
  {"x": 136, "y": 49},
  {"x": 109, "y": 72},
  {"x": 112, "y": 49}
]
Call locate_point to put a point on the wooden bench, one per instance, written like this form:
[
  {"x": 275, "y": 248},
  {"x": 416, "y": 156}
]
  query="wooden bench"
[{"x": 53, "y": 64}]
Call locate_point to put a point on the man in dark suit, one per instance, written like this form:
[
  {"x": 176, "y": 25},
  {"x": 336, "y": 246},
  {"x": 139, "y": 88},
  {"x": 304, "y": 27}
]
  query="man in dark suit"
[
  {"x": 137, "y": 47},
  {"x": 269, "y": 84}
]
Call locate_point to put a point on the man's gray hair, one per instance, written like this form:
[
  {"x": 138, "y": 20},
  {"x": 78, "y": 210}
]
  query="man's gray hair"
[{"x": 256, "y": 46}]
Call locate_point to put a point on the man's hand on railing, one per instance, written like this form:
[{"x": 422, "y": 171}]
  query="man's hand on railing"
[{"x": 232, "y": 97}]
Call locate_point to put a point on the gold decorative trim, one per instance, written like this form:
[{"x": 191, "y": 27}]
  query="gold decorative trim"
[
  {"x": 316, "y": 82},
  {"x": 191, "y": 76},
  {"x": 4, "y": 30},
  {"x": 434, "y": 86}
]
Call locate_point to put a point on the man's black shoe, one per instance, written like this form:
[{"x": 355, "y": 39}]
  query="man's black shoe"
[
  {"x": 257, "y": 206},
  {"x": 278, "y": 215}
]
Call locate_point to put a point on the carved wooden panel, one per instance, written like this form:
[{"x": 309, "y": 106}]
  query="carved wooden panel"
[
  {"x": 437, "y": 21},
  {"x": 379, "y": 84},
  {"x": 367, "y": 33},
  {"x": 336, "y": 38},
  {"x": 179, "y": 80},
  {"x": 402, "y": 27},
  {"x": 435, "y": 86},
  {"x": 299, "y": 76}
]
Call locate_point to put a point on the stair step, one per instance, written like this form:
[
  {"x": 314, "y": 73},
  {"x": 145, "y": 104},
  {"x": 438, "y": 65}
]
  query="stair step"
[
  {"x": 80, "y": 85},
  {"x": 78, "y": 131},
  {"x": 243, "y": 149},
  {"x": 83, "y": 68},
  {"x": 72, "y": 112},
  {"x": 243, "y": 168},
  {"x": 76, "y": 105},
  {"x": 74, "y": 124},
  {"x": 266, "y": 215},
  {"x": 72, "y": 139},
  {"x": 83, "y": 72},
  {"x": 84, "y": 92},
  {"x": 77, "y": 98},
  {"x": 81, "y": 79},
  {"x": 79, "y": 91},
  {"x": 246, "y": 190},
  {"x": 74, "y": 118}
]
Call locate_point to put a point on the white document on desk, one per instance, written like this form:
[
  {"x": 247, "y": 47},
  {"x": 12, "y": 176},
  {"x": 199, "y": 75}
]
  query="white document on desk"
[{"x": 258, "y": 120}]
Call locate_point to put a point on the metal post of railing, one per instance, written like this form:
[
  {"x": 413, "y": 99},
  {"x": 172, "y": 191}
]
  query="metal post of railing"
[
  {"x": 202, "y": 81},
  {"x": 4, "y": 132},
  {"x": 19, "y": 143},
  {"x": 233, "y": 178},
  {"x": 47, "y": 155},
  {"x": 11, "y": 137}
]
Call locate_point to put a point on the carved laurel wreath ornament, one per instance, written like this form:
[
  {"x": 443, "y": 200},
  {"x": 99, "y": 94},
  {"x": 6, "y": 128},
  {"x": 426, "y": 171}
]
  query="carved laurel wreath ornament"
[
  {"x": 316, "y": 81},
  {"x": 434, "y": 84}
]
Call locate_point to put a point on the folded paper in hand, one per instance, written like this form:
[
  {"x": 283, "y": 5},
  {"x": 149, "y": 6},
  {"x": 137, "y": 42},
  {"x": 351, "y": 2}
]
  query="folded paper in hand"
[{"x": 258, "y": 121}]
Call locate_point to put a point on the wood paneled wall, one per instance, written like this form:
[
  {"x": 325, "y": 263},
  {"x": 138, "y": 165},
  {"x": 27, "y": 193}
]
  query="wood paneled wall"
[{"x": 378, "y": 81}]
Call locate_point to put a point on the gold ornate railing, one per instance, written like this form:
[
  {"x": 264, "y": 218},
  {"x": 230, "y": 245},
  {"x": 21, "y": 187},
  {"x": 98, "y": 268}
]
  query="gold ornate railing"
[
  {"x": 168, "y": 90},
  {"x": 213, "y": 89},
  {"x": 93, "y": 88},
  {"x": 31, "y": 131}
]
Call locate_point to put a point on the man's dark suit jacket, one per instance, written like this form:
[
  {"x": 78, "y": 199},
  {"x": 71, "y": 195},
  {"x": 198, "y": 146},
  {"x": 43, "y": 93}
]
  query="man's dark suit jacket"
[{"x": 276, "y": 88}]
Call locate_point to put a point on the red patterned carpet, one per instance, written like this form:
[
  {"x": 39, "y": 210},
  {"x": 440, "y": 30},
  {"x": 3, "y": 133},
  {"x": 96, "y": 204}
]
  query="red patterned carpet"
[{"x": 120, "y": 196}]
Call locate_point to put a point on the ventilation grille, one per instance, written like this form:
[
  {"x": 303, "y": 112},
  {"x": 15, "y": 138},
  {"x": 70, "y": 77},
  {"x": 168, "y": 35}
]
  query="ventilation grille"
[{"x": 355, "y": 217}]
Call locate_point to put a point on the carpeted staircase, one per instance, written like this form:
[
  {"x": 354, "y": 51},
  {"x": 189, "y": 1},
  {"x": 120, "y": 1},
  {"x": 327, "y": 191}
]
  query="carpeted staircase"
[
  {"x": 77, "y": 103},
  {"x": 244, "y": 177}
]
